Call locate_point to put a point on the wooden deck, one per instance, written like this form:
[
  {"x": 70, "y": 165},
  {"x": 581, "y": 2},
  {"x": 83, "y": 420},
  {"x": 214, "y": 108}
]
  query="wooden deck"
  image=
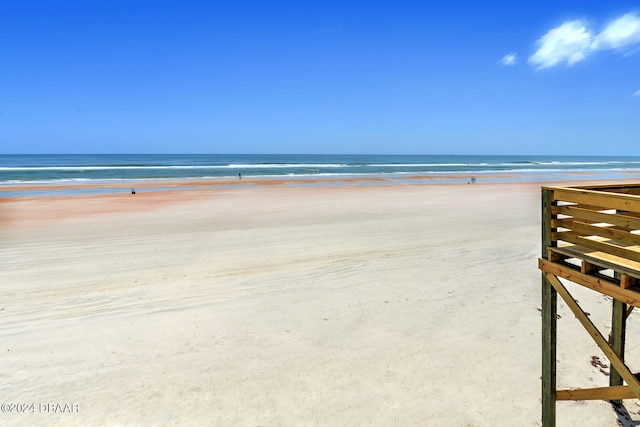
[{"x": 591, "y": 237}]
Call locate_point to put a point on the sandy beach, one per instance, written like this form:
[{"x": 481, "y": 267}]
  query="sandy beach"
[{"x": 283, "y": 305}]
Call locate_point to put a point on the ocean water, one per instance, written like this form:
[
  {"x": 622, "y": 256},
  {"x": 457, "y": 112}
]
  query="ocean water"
[{"x": 43, "y": 169}]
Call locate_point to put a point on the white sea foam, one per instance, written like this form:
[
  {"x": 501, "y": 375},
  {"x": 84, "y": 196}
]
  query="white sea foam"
[
  {"x": 111, "y": 168},
  {"x": 150, "y": 167}
]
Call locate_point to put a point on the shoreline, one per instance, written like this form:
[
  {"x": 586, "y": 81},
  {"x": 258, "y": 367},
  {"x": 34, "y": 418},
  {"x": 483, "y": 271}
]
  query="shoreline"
[{"x": 69, "y": 188}]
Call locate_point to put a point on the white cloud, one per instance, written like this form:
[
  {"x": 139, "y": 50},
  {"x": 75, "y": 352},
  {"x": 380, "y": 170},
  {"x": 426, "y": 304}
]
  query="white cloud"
[
  {"x": 636, "y": 93},
  {"x": 509, "y": 59},
  {"x": 567, "y": 43},
  {"x": 619, "y": 34},
  {"x": 573, "y": 41}
]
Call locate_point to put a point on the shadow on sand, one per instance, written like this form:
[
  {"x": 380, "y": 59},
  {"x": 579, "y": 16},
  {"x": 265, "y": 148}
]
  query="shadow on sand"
[{"x": 624, "y": 418}]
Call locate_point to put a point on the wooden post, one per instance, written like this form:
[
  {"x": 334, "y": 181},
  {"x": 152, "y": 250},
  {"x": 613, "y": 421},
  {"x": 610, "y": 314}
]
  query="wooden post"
[
  {"x": 549, "y": 313},
  {"x": 618, "y": 333}
]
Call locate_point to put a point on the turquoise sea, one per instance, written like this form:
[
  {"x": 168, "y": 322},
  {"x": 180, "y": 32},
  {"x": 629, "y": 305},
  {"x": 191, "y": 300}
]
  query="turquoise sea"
[
  {"x": 104, "y": 167},
  {"x": 132, "y": 168}
]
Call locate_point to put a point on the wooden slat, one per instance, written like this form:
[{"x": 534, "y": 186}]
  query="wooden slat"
[
  {"x": 594, "y": 230},
  {"x": 620, "y": 251},
  {"x": 603, "y": 199},
  {"x": 614, "y": 359},
  {"x": 599, "y": 393},
  {"x": 619, "y": 189},
  {"x": 630, "y": 214},
  {"x": 633, "y": 191},
  {"x": 601, "y": 259},
  {"x": 567, "y": 222},
  {"x": 628, "y": 296},
  {"x": 593, "y": 208},
  {"x": 581, "y": 213},
  {"x": 610, "y": 186}
]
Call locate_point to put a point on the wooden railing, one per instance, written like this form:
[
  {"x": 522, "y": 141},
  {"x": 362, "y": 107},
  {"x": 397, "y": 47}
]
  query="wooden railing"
[
  {"x": 591, "y": 237},
  {"x": 598, "y": 225}
]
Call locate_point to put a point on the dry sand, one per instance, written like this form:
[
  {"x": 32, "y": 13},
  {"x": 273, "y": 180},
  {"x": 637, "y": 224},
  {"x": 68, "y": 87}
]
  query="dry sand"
[{"x": 286, "y": 306}]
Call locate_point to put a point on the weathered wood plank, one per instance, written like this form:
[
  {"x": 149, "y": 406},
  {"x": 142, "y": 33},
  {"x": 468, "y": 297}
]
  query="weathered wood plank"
[
  {"x": 562, "y": 222},
  {"x": 594, "y": 230},
  {"x": 614, "y": 359},
  {"x": 603, "y": 199},
  {"x": 630, "y": 214},
  {"x": 618, "y": 186},
  {"x": 619, "y": 218},
  {"x": 599, "y": 393},
  {"x": 628, "y": 296}
]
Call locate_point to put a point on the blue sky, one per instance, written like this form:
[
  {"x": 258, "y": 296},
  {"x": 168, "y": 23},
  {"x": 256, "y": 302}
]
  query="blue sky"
[{"x": 405, "y": 77}]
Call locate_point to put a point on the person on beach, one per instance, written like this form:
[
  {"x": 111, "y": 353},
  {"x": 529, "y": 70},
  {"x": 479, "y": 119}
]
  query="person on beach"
[{"x": 239, "y": 176}]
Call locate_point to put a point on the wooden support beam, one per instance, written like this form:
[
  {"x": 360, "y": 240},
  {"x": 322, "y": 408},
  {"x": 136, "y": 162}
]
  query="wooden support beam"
[
  {"x": 587, "y": 267},
  {"x": 549, "y": 319},
  {"x": 549, "y": 336},
  {"x": 601, "y": 285},
  {"x": 555, "y": 256},
  {"x": 614, "y": 359},
  {"x": 627, "y": 282},
  {"x": 618, "y": 336},
  {"x": 601, "y": 393},
  {"x": 548, "y": 204}
]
